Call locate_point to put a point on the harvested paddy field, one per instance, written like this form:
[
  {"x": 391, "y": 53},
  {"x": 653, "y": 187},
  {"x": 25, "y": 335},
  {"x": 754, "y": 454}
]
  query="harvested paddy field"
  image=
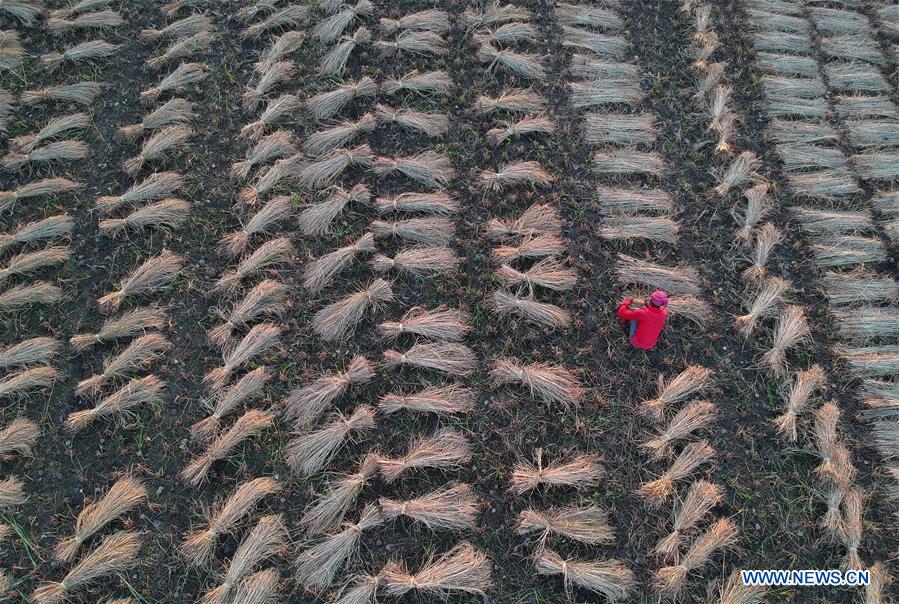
[{"x": 316, "y": 301}]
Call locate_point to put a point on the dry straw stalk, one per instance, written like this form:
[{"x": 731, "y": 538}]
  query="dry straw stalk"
[
  {"x": 701, "y": 498},
  {"x": 317, "y": 218},
  {"x": 260, "y": 339},
  {"x": 12, "y": 492},
  {"x": 735, "y": 592},
  {"x": 791, "y": 330},
  {"x": 184, "y": 75},
  {"x": 769, "y": 296},
  {"x": 549, "y": 273},
  {"x": 266, "y": 256},
  {"x": 428, "y": 168},
  {"x": 327, "y": 104},
  {"x": 679, "y": 280},
  {"x": 154, "y": 275},
  {"x": 433, "y": 20},
  {"x": 28, "y": 263},
  {"x": 442, "y": 400},
  {"x": 32, "y": 351},
  {"x": 244, "y": 390},
  {"x": 419, "y": 260},
  {"x": 516, "y": 173},
  {"x": 166, "y": 213},
  {"x": 277, "y": 145},
  {"x": 430, "y": 124},
  {"x": 329, "y": 509},
  {"x": 338, "y": 320},
  {"x": 670, "y": 580},
  {"x": 521, "y": 64},
  {"x": 22, "y": 296},
  {"x": 132, "y": 323},
  {"x": 38, "y": 188},
  {"x": 693, "y": 417},
  {"x": 267, "y": 299},
  {"x": 428, "y": 203},
  {"x": 538, "y": 313},
  {"x": 541, "y": 246},
  {"x": 442, "y": 324},
  {"x": 538, "y": 219},
  {"x": 272, "y": 215},
  {"x": 804, "y": 385},
  {"x": 154, "y": 187},
  {"x": 18, "y": 385},
  {"x": 511, "y": 99},
  {"x": 260, "y": 587},
  {"x": 53, "y": 129},
  {"x": 18, "y": 437},
  {"x": 436, "y": 231},
  {"x": 80, "y": 93}
]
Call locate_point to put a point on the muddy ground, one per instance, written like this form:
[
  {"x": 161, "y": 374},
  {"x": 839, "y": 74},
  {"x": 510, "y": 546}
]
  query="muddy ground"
[{"x": 771, "y": 493}]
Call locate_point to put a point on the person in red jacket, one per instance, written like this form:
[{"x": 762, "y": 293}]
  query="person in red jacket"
[{"x": 645, "y": 324}]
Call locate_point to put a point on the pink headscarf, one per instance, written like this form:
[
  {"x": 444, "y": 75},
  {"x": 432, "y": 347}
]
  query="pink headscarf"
[{"x": 659, "y": 298}]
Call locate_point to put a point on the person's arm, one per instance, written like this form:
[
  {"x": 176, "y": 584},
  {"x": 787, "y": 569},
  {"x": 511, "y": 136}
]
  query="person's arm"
[{"x": 624, "y": 313}]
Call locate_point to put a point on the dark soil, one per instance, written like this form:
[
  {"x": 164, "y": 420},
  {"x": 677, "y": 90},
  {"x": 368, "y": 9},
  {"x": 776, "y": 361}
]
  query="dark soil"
[{"x": 771, "y": 493}]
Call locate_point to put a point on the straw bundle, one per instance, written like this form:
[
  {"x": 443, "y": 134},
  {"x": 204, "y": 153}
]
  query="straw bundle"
[
  {"x": 691, "y": 457},
  {"x": 139, "y": 354},
  {"x": 123, "y": 496},
  {"x": 453, "y": 507},
  {"x": 328, "y": 510},
  {"x": 116, "y": 553},
  {"x": 248, "y": 425},
  {"x": 260, "y": 339},
  {"x": 242, "y": 391},
  {"x": 138, "y": 392},
  {"x": 580, "y": 472},
  {"x": 307, "y": 454},
  {"x": 197, "y": 547},
  {"x": 446, "y": 448},
  {"x": 447, "y": 325},
  {"x": 551, "y": 383},
  {"x": 611, "y": 578},
  {"x": 462, "y": 569},
  {"x": 317, "y": 218},
  {"x": 305, "y": 404},
  {"x": 445, "y": 357},
  {"x": 338, "y": 320},
  {"x": 442, "y": 400}
]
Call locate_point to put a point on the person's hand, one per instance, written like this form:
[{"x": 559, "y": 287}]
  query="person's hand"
[{"x": 627, "y": 301}]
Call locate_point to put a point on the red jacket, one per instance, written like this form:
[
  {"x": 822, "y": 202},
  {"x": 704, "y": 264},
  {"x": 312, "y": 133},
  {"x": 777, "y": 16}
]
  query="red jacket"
[{"x": 650, "y": 321}]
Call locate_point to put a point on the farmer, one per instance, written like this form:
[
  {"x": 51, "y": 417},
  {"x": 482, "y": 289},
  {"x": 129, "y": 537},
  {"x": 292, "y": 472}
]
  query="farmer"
[{"x": 645, "y": 324}]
